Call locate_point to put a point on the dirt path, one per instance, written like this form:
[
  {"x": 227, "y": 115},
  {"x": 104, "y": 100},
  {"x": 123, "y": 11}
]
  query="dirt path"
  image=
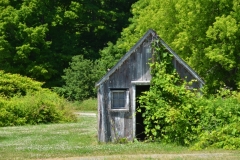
[
  {"x": 86, "y": 114},
  {"x": 194, "y": 156}
]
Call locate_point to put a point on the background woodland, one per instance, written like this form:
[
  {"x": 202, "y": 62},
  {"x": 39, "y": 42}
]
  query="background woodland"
[
  {"x": 53, "y": 49},
  {"x": 40, "y": 39}
]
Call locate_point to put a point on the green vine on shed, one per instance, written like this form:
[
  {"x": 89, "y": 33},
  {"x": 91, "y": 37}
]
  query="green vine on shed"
[
  {"x": 175, "y": 114},
  {"x": 163, "y": 104}
]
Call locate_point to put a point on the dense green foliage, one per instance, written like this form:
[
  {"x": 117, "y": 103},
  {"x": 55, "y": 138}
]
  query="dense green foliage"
[
  {"x": 34, "y": 108},
  {"x": 173, "y": 113},
  {"x": 169, "y": 105},
  {"x": 38, "y": 38},
  {"x": 14, "y": 84},
  {"x": 218, "y": 126},
  {"x": 204, "y": 33},
  {"x": 23, "y": 101},
  {"x": 80, "y": 79}
]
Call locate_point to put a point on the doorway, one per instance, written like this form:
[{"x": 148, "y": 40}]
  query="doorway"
[{"x": 140, "y": 135}]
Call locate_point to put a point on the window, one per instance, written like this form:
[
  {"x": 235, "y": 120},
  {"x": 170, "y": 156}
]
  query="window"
[{"x": 119, "y": 99}]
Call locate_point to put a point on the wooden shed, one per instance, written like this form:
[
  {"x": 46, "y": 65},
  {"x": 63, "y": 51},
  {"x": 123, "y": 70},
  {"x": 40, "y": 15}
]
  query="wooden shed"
[{"x": 119, "y": 88}]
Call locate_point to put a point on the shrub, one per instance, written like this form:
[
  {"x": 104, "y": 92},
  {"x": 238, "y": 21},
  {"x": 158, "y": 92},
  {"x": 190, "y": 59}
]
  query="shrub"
[
  {"x": 34, "y": 108},
  {"x": 12, "y": 84},
  {"x": 24, "y": 101},
  {"x": 218, "y": 125},
  {"x": 171, "y": 112},
  {"x": 175, "y": 114}
]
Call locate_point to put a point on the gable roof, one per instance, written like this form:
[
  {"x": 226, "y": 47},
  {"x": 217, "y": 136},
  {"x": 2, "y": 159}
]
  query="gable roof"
[{"x": 128, "y": 54}]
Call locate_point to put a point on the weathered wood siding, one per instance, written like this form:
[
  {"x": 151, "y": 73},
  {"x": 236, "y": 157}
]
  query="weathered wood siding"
[
  {"x": 118, "y": 124},
  {"x": 134, "y": 66},
  {"x": 184, "y": 73}
]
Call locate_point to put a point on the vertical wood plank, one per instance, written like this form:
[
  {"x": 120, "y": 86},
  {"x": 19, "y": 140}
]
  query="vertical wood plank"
[
  {"x": 119, "y": 125},
  {"x": 107, "y": 114},
  {"x": 133, "y": 61},
  {"x": 143, "y": 63},
  {"x": 102, "y": 108},
  {"x": 99, "y": 115},
  {"x": 139, "y": 64},
  {"x": 133, "y": 100},
  {"x": 149, "y": 56},
  {"x": 146, "y": 75}
]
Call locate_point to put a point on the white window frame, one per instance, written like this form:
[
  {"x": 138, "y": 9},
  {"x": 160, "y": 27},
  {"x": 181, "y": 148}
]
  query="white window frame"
[{"x": 126, "y": 104}]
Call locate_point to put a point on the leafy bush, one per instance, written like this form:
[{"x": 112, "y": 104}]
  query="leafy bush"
[
  {"x": 218, "y": 125},
  {"x": 12, "y": 84},
  {"x": 34, "y": 108},
  {"x": 170, "y": 113},
  {"x": 23, "y": 101},
  {"x": 175, "y": 114}
]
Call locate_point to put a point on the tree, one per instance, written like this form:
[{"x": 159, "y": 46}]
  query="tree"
[
  {"x": 204, "y": 33},
  {"x": 80, "y": 79},
  {"x": 39, "y": 38}
]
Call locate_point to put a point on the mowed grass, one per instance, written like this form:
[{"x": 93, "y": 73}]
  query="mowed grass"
[
  {"x": 80, "y": 140},
  {"x": 67, "y": 140},
  {"x": 53, "y": 140}
]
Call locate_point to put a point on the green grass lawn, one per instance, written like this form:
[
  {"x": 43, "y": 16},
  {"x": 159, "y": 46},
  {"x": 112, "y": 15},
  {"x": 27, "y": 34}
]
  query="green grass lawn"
[
  {"x": 76, "y": 140},
  {"x": 88, "y": 105}
]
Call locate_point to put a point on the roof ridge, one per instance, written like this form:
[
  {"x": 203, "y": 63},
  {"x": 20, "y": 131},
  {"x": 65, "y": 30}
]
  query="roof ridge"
[
  {"x": 154, "y": 34},
  {"x": 111, "y": 71}
]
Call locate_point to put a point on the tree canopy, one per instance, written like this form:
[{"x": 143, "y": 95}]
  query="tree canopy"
[
  {"x": 204, "y": 33},
  {"x": 39, "y": 38}
]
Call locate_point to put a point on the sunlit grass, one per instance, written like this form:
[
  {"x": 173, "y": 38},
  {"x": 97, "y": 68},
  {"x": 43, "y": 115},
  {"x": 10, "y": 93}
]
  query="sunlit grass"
[
  {"x": 74, "y": 140},
  {"x": 89, "y": 105},
  {"x": 47, "y": 140}
]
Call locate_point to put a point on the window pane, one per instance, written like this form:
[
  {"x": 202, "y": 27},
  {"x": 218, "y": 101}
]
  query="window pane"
[
  {"x": 118, "y": 99},
  {"x": 115, "y": 104},
  {"x": 115, "y": 95},
  {"x": 122, "y": 103},
  {"x": 121, "y": 95}
]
